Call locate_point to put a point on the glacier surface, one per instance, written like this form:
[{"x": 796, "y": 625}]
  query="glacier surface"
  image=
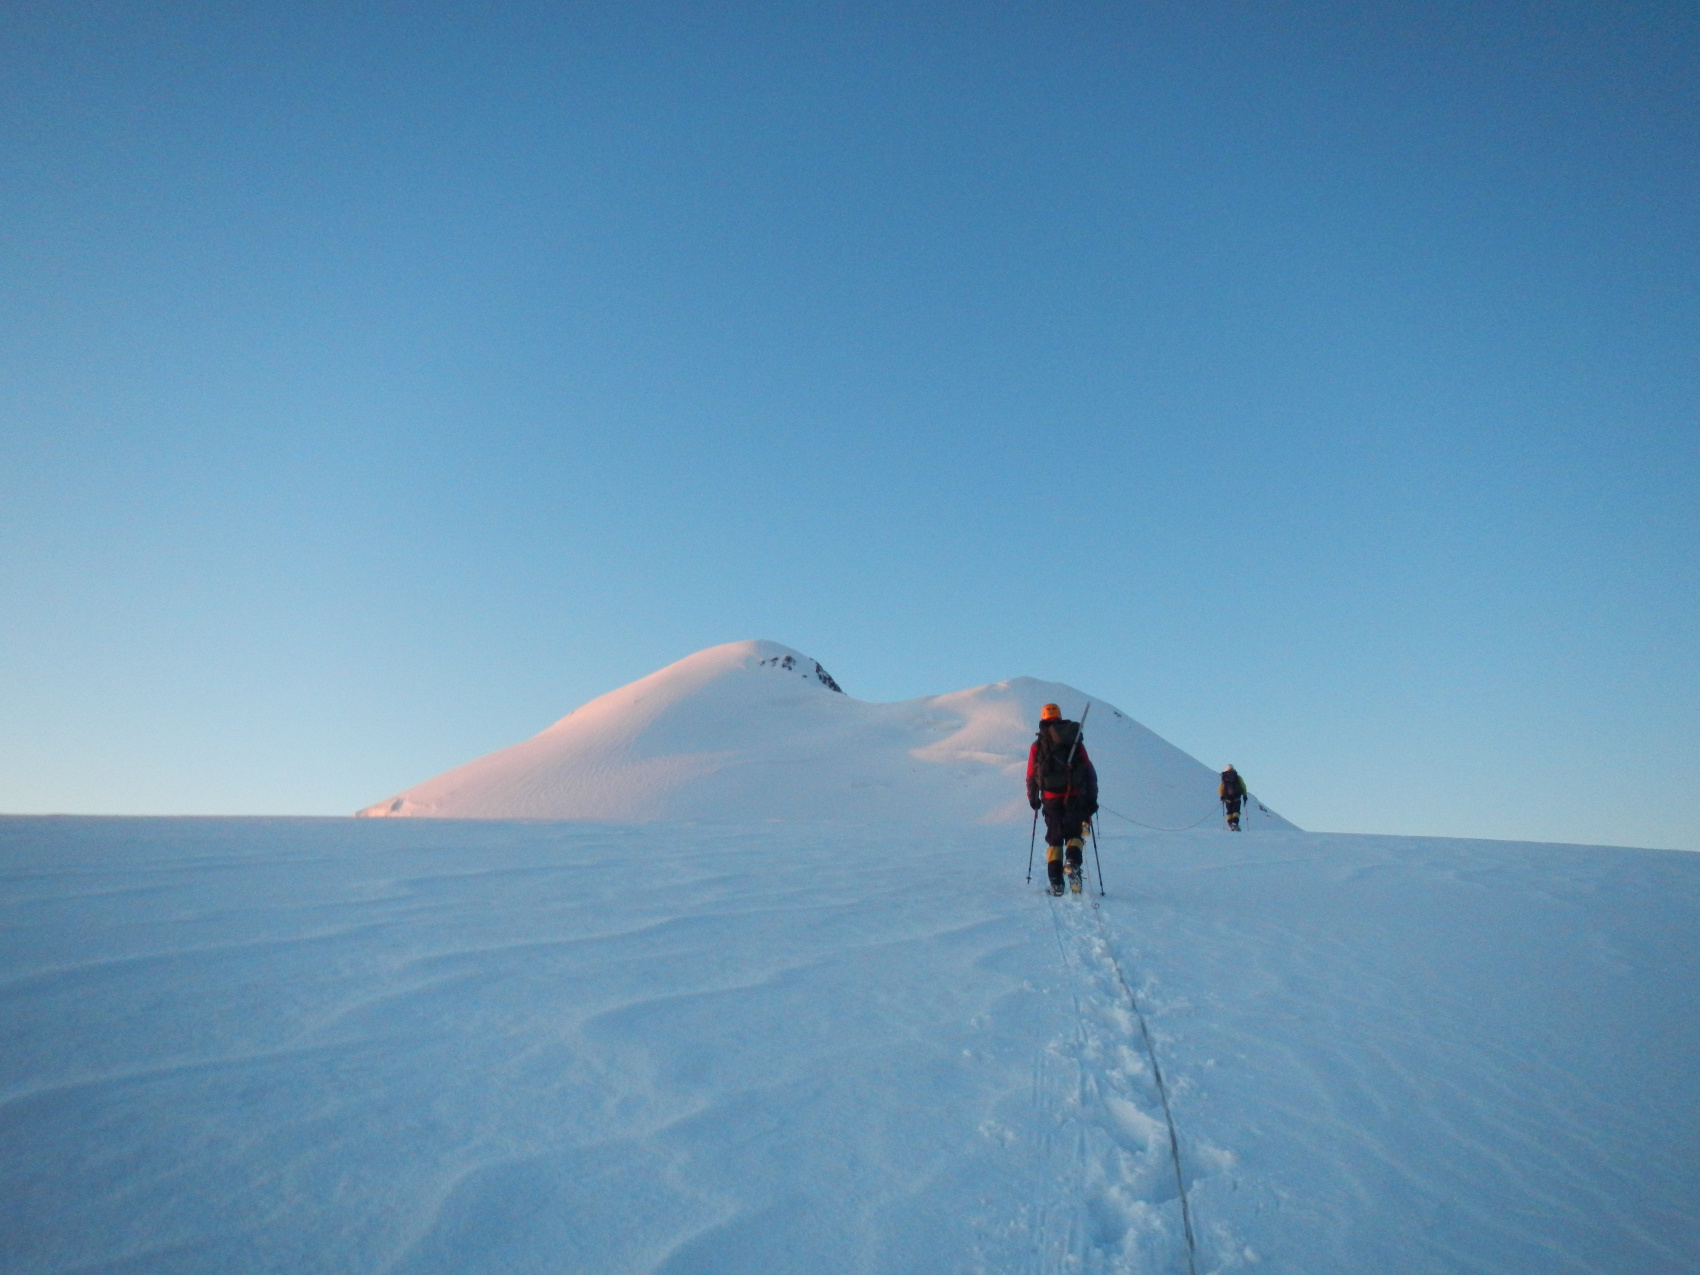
[{"x": 462, "y": 1046}]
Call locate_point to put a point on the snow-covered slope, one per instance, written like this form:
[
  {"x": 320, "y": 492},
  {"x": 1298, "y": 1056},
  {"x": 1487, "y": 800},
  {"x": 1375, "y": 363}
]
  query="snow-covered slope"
[
  {"x": 756, "y": 730},
  {"x": 466, "y": 1048}
]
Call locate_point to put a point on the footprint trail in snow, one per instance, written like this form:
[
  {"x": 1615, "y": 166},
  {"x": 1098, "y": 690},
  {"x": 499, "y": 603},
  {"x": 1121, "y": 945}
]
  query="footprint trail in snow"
[{"x": 1116, "y": 1205}]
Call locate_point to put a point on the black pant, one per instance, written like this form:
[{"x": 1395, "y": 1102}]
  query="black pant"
[
  {"x": 1233, "y": 807},
  {"x": 1063, "y": 817}
]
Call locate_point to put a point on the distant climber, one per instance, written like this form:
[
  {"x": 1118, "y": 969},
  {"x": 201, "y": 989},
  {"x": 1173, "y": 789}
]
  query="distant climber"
[
  {"x": 1232, "y": 793},
  {"x": 1062, "y": 781}
]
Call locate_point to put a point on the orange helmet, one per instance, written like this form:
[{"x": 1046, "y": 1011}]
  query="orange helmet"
[{"x": 1050, "y": 713}]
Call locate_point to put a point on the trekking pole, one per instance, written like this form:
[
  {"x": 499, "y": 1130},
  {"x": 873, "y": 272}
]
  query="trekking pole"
[
  {"x": 1096, "y": 859},
  {"x": 1031, "y": 838}
]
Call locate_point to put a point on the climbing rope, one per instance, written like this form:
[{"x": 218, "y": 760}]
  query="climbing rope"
[
  {"x": 1189, "y": 827},
  {"x": 1162, "y": 1092},
  {"x": 1154, "y": 828},
  {"x": 1156, "y": 1071}
]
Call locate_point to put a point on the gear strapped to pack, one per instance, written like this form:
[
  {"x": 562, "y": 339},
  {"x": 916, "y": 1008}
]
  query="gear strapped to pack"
[{"x": 1058, "y": 742}]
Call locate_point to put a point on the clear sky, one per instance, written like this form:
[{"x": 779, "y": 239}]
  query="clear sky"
[{"x": 1318, "y": 383}]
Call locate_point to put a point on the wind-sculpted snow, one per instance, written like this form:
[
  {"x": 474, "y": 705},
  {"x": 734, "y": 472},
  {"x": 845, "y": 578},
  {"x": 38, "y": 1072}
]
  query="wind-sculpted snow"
[
  {"x": 755, "y": 730},
  {"x": 427, "y": 1046}
]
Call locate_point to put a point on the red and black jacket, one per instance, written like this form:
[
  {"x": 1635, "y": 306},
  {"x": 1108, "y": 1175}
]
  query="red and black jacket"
[{"x": 1050, "y": 774}]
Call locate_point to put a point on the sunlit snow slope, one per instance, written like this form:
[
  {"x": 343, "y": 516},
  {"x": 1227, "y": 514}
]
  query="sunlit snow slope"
[
  {"x": 433, "y": 1047},
  {"x": 754, "y": 730}
]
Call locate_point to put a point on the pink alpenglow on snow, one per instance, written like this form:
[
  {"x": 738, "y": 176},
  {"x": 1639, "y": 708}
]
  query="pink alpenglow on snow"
[{"x": 757, "y": 730}]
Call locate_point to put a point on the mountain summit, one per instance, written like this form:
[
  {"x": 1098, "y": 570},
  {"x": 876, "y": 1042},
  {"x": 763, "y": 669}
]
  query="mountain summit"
[{"x": 758, "y": 730}]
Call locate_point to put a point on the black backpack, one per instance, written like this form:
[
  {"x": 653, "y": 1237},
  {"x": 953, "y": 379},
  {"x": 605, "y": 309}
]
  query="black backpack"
[
  {"x": 1233, "y": 787},
  {"x": 1055, "y": 740}
]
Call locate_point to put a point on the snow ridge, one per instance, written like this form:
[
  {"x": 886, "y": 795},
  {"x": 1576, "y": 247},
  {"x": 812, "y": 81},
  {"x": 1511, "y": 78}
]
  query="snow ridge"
[{"x": 757, "y": 730}]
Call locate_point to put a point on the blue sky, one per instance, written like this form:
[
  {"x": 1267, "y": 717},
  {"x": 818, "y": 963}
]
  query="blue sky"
[{"x": 1317, "y": 383}]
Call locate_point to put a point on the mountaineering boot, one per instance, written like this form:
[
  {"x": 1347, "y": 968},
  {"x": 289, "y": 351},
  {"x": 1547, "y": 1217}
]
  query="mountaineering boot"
[
  {"x": 1054, "y": 868},
  {"x": 1075, "y": 852}
]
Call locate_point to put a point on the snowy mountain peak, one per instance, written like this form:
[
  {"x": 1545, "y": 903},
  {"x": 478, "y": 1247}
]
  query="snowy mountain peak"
[{"x": 756, "y": 729}]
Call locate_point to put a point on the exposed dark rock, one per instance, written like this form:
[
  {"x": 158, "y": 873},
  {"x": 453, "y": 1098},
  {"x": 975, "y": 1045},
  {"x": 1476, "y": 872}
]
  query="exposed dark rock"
[{"x": 789, "y": 663}]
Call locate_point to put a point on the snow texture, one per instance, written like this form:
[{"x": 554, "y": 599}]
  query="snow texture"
[
  {"x": 755, "y": 730},
  {"x": 458, "y": 1046}
]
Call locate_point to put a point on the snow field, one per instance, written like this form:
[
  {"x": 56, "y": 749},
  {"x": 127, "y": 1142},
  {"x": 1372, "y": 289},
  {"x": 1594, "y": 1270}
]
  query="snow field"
[
  {"x": 1433, "y": 1055},
  {"x": 420, "y": 1046}
]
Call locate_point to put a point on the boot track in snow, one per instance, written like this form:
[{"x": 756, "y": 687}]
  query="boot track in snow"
[{"x": 1130, "y": 1149}]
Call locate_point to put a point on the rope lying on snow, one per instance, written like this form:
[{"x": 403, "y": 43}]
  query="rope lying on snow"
[
  {"x": 1162, "y": 1092},
  {"x": 1156, "y": 1071}
]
